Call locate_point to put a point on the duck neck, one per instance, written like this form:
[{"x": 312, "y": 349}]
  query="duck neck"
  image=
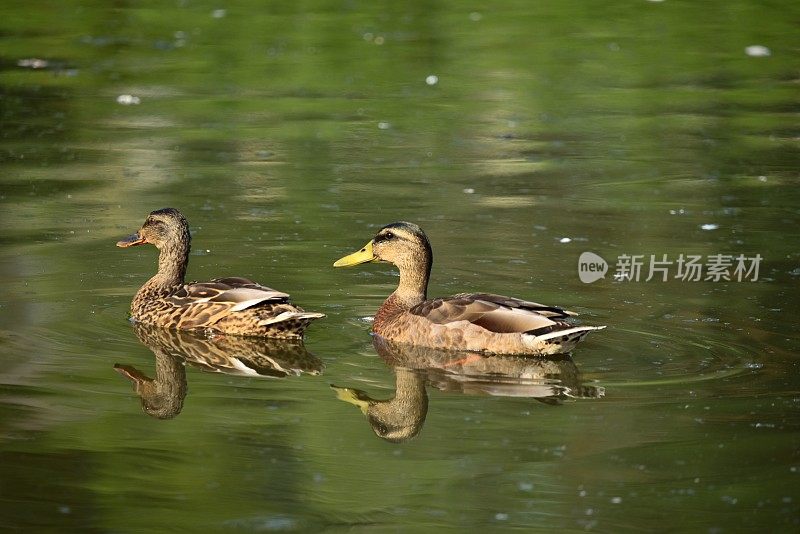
[
  {"x": 410, "y": 390},
  {"x": 413, "y": 286},
  {"x": 401, "y": 418},
  {"x": 163, "y": 396},
  {"x": 172, "y": 261}
]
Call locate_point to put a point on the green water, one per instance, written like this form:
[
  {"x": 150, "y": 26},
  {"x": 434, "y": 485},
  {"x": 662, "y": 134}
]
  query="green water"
[{"x": 288, "y": 133}]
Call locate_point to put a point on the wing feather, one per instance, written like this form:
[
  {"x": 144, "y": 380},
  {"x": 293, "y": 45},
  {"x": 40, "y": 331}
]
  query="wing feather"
[
  {"x": 205, "y": 303},
  {"x": 495, "y": 313}
]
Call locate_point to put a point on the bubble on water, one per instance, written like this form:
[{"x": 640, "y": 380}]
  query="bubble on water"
[
  {"x": 500, "y": 516},
  {"x": 709, "y": 226},
  {"x": 616, "y": 500},
  {"x": 368, "y": 36},
  {"x": 383, "y": 125},
  {"x": 525, "y": 486},
  {"x": 475, "y": 16},
  {"x": 219, "y": 13},
  {"x": 757, "y": 51},
  {"x": 762, "y": 178},
  {"x": 565, "y": 240},
  {"x": 128, "y": 100},
  {"x": 379, "y": 40},
  {"x": 468, "y": 191},
  {"x": 432, "y": 79}
]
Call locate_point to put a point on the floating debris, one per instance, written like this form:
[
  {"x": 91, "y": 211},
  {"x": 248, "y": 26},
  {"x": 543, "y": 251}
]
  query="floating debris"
[
  {"x": 507, "y": 201},
  {"x": 757, "y": 51},
  {"x": 432, "y": 79},
  {"x": 128, "y": 100},
  {"x": 33, "y": 63}
]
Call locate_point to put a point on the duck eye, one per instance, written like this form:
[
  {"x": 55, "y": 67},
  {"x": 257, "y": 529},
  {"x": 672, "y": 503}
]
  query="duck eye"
[{"x": 388, "y": 235}]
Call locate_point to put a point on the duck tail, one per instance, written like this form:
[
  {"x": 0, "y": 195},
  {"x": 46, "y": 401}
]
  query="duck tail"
[{"x": 558, "y": 341}]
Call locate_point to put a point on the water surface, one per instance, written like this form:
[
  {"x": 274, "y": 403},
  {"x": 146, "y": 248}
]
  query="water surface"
[{"x": 288, "y": 135}]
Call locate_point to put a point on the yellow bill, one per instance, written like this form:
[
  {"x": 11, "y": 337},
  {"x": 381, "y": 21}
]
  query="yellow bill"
[
  {"x": 362, "y": 256},
  {"x": 356, "y": 397}
]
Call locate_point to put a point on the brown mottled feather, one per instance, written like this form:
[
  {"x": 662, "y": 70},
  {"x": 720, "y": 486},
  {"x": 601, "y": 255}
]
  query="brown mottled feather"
[
  {"x": 232, "y": 305},
  {"x": 234, "y": 355}
]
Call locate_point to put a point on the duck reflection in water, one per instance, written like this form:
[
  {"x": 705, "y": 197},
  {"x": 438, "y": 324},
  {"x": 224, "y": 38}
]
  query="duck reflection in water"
[
  {"x": 162, "y": 397},
  {"x": 549, "y": 380}
]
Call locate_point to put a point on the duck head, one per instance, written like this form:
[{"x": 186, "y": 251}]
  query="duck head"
[
  {"x": 163, "y": 228},
  {"x": 401, "y": 243}
]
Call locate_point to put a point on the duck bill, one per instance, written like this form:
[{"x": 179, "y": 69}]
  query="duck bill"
[
  {"x": 352, "y": 396},
  {"x": 364, "y": 255},
  {"x": 131, "y": 241},
  {"x": 132, "y": 373}
]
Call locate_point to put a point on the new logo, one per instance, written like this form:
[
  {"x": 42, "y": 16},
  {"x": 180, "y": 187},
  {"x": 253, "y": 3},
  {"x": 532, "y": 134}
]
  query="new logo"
[{"x": 591, "y": 267}]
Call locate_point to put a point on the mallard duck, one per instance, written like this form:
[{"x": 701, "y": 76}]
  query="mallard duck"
[
  {"x": 479, "y": 322},
  {"x": 232, "y": 305},
  {"x": 399, "y": 418},
  {"x": 232, "y": 355},
  {"x": 549, "y": 380},
  {"x": 163, "y": 396}
]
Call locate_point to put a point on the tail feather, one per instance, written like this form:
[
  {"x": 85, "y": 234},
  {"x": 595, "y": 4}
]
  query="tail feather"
[
  {"x": 558, "y": 341},
  {"x": 290, "y": 315}
]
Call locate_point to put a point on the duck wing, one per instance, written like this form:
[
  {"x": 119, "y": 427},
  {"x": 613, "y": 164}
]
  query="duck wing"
[
  {"x": 496, "y": 313},
  {"x": 227, "y": 291},
  {"x": 203, "y": 304}
]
